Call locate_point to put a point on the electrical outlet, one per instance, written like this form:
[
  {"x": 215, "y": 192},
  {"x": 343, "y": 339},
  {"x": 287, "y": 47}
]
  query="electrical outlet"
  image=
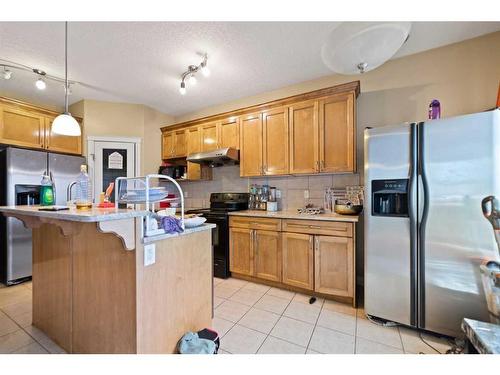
[
  {"x": 149, "y": 254},
  {"x": 306, "y": 194},
  {"x": 186, "y": 194},
  {"x": 278, "y": 193}
]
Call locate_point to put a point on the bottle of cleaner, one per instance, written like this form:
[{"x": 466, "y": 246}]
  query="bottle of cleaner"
[
  {"x": 434, "y": 110},
  {"x": 83, "y": 189},
  {"x": 46, "y": 191}
]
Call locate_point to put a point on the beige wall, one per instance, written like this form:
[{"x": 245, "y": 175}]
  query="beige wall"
[
  {"x": 463, "y": 76},
  {"x": 125, "y": 120}
]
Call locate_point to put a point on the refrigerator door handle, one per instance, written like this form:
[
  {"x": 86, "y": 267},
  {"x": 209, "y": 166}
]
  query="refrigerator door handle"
[
  {"x": 423, "y": 198},
  {"x": 413, "y": 216}
]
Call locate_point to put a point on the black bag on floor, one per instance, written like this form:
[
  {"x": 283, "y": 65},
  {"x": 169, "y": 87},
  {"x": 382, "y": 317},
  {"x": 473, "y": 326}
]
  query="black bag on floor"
[{"x": 210, "y": 335}]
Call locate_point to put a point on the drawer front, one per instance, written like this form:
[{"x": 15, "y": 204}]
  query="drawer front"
[
  {"x": 327, "y": 228},
  {"x": 255, "y": 223}
]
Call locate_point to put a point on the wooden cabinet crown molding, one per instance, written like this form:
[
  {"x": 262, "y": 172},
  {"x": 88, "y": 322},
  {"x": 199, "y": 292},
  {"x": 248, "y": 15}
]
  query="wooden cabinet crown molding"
[
  {"x": 32, "y": 107},
  {"x": 316, "y": 94}
]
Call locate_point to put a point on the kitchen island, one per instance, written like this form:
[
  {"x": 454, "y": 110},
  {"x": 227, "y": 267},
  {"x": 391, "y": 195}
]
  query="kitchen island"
[{"x": 94, "y": 293}]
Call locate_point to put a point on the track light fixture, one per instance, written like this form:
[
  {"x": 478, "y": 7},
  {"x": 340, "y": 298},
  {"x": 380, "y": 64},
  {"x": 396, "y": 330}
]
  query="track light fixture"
[
  {"x": 190, "y": 74},
  {"x": 41, "y": 76},
  {"x": 7, "y": 74}
]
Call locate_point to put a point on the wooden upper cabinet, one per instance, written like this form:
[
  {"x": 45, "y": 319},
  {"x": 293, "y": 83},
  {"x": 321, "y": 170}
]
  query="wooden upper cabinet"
[
  {"x": 251, "y": 145},
  {"x": 298, "y": 260},
  {"x": 167, "y": 145},
  {"x": 229, "y": 133},
  {"x": 275, "y": 141},
  {"x": 209, "y": 137},
  {"x": 241, "y": 258},
  {"x": 267, "y": 254},
  {"x": 180, "y": 143},
  {"x": 334, "y": 266},
  {"x": 337, "y": 152},
  {"x": 21, "y": 128},
  {"x": 61, "y": 143},
  {"x": 193, "y": 146},
  {"x": 304, "y": 153}
]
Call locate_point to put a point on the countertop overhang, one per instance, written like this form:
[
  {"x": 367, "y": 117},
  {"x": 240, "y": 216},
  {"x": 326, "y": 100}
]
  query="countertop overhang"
[
  {"x": 92, "y": 215},
  {"x": 295, "y": 215}
]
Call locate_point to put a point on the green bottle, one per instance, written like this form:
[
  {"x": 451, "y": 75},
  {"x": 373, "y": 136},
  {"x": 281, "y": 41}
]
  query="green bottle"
[{"x": 46, "y": 192}]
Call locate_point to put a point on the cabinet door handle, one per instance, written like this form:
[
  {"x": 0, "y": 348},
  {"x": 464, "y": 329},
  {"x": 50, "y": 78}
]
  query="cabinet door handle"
[
  {"x": 310, "y": 242},
  {"x": 317, "y": 243},
  {"x": 315, "y": 227},
  {"x": 317, "y": 165},
  {"x": 322, "y": 165}
]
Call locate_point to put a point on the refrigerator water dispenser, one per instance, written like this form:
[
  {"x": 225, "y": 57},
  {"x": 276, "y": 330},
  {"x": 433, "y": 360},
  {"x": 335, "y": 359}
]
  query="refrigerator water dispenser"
[{"x": 390, "y": 198}]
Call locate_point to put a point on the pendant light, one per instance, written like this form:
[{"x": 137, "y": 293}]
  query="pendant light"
[{"x": 65, "y": 124}]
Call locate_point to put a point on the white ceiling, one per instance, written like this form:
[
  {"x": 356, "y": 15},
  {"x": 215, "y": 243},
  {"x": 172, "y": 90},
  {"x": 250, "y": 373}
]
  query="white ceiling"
[{"x": 140, "y": 62}]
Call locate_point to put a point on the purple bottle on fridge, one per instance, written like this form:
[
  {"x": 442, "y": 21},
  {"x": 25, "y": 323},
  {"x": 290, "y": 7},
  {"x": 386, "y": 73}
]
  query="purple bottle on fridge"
[{"x": 434, "y": 110}]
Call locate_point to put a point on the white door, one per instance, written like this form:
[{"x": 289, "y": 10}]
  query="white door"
[{"x": 112, "y": 160}]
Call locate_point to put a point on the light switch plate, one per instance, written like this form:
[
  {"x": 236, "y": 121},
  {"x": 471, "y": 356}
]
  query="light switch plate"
[
  {"x": 278, "y": 193},
  {"x": 149, "y": 254},
  {"x": 306, "y": 194}
]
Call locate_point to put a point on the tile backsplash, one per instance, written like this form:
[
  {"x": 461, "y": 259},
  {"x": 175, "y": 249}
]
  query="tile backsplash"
[{"x": 227, "y": 179}]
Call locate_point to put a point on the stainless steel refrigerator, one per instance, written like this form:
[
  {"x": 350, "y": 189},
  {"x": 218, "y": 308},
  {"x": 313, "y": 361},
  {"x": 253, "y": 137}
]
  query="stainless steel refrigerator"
[
  {"x": 425, "y": 234},
  {"x": 20, "y": 176}
]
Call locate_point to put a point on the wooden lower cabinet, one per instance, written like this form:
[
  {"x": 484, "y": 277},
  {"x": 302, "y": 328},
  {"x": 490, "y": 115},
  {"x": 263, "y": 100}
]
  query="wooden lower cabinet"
[
  {"x": 267, "y": 254},
  {"x": 298, "y": 260},
  {"x": 307, "y": 255},
  {"x": 241, "y": 251},
  {"x": 334, "y": 265}
]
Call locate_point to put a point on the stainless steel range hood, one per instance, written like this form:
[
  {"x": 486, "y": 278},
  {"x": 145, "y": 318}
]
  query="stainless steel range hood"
[{"x": 216, "y": 158}]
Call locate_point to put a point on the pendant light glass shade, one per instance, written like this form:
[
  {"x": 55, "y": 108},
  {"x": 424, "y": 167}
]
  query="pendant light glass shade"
[
  {"x": 65, "y": 124},
  {"x": 358, "y": 47}
]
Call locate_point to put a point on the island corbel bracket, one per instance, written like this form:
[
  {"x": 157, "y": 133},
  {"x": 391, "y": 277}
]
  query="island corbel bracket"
[
  {"x": 67, "y": 228},
  {"x": 124, "y": 229}
]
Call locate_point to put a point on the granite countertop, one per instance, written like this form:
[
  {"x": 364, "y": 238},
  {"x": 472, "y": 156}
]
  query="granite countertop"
[
  {"x": 88, "y": 216},
  {"x": 295, "y": 215},
  {"x": 187, "y": 231},
  {"x": 484, "y": 336}
]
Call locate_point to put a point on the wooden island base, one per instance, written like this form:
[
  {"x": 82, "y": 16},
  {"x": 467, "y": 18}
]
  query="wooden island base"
[{"x": 91, "y": 295}]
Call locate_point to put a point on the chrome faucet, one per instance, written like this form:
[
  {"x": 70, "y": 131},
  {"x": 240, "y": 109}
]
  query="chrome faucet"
[{"x": 68, "y": 191}]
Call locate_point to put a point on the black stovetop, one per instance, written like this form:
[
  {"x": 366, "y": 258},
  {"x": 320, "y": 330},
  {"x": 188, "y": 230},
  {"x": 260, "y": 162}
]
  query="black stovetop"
[{"x": 221, "y": 203}]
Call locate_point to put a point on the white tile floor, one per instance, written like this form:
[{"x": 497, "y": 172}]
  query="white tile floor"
[
  {"x": 250, "y": 318},
  {"x": 254, "y": 318}
]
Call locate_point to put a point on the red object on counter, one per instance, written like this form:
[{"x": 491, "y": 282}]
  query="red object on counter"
[
  {"x": 106, "y": 205},
  {"x": 167, "y": 204}
]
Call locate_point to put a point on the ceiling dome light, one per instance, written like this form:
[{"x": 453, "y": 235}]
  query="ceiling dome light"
[
  {"x": 65, "y": 124},
  {"x": 192, "y": 80},
  {"x": 358, "y": 47},
  {"x": 182, "y": 89},
  {"x": 40, "y": 84},
  {"x": 7, "y": 74}
]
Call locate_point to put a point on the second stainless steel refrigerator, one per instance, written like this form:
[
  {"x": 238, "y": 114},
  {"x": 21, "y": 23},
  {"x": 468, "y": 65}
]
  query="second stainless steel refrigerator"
[
  {"x": 20, "y": 175},
  {"x": 425, "y": 234}
]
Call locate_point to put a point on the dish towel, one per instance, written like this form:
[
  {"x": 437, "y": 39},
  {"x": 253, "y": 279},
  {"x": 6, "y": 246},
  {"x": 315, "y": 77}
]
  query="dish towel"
[
  {"x": 192, "y": 344},
  {"x": 171, "y": 224}
]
